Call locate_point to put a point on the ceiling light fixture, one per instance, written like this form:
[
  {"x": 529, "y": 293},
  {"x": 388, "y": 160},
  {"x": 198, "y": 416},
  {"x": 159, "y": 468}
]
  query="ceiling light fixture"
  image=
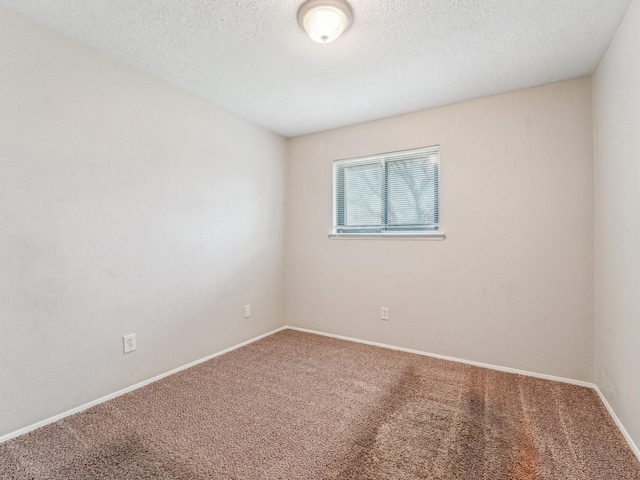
[{"x": 325, "y": 20}]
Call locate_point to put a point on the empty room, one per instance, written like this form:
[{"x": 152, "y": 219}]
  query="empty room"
[{"x": 320, "y": 239}]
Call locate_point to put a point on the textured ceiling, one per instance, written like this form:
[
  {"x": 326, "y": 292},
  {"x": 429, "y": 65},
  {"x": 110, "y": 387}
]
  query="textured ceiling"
[{"x": 251, "y": 57}]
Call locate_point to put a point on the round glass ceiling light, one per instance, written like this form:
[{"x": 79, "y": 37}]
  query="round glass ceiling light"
[{"x": 325, "y": 20}]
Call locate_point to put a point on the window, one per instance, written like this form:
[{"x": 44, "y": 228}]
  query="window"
[{"x": 387, "y": 194}]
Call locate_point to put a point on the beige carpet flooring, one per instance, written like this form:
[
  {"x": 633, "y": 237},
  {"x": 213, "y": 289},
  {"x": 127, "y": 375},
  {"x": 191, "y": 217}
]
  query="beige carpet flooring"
[{"x": 301, "y": 406}]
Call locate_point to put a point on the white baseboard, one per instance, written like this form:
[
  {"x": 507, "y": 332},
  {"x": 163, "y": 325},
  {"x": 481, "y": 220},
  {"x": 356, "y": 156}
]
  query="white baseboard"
[
  {"x": 618, "y": 423},
  {"x": 580, "y": 383},
  {"x": 75, "y": 410}
]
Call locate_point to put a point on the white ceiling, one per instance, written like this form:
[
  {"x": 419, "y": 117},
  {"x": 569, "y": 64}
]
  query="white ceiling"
[{"x": 251, "y": 57}]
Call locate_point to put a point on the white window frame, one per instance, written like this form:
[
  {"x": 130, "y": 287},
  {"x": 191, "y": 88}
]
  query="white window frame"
[{"x": 436, "y": 234}]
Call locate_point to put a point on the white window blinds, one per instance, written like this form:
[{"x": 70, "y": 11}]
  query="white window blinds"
[{"x": 394, "y": 192}]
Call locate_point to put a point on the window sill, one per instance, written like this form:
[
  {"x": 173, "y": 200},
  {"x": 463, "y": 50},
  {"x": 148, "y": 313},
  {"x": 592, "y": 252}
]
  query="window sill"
[{"x": 390, "y": 236}]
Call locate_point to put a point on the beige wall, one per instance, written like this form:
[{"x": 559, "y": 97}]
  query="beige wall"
[
  {"x": 512, "y": 284},
  {"x": 616, "y": 95},
  {"x": 126, "y": 205}
]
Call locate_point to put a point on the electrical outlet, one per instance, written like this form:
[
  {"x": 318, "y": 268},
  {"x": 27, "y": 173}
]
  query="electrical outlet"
[
  {"x": 247, "y": 311},
  {"x": 129, "y": 343},
  {"x": 384, "y": 313}
]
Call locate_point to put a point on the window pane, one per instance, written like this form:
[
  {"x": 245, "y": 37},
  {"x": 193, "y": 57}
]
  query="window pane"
[
  {"x": 394, "y": 192},
  {"x": 362, "y": 200},
  {"x": 412, "y": 192}
]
